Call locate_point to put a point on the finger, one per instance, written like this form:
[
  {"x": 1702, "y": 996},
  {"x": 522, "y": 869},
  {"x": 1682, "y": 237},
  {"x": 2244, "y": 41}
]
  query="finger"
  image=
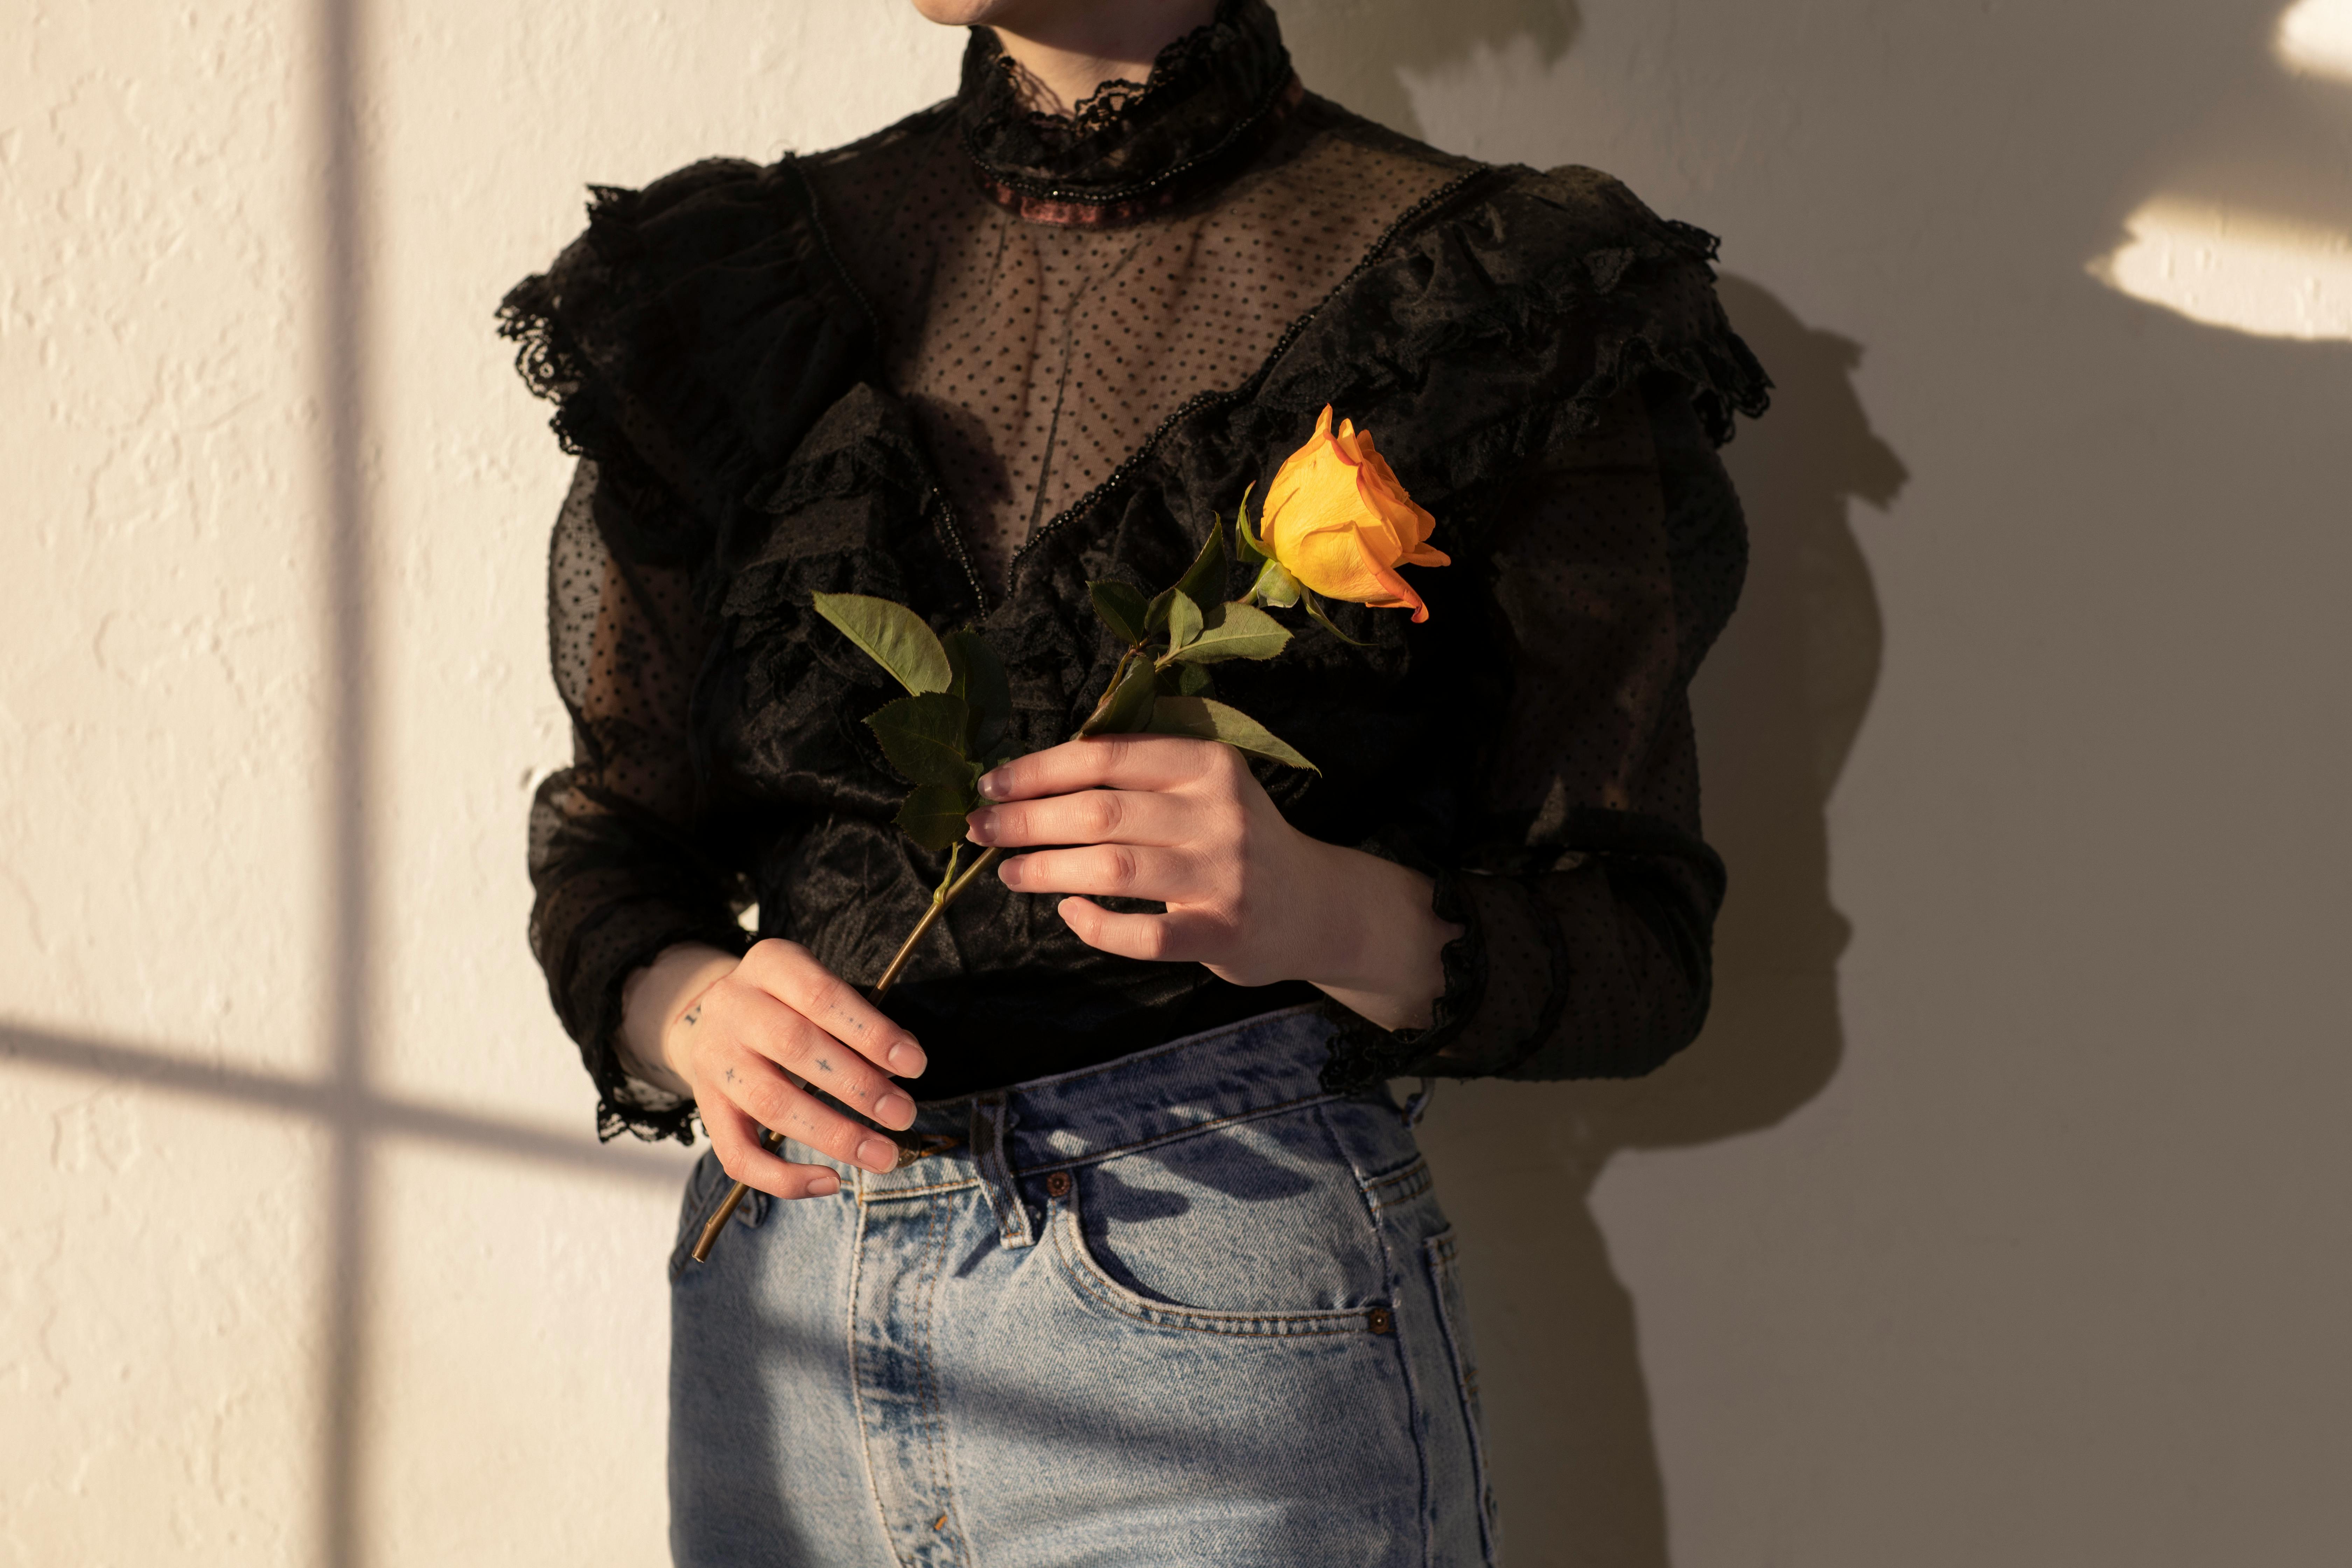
[
  {"x": 1089, "y": 816},
  {"x": 791, "y": 974},
  {"x": 782, "y": 1036},
  {"x": 1119, "y": 762},
  {"x": 735, "y": 1138},
  {"x": 1107, "y": 871},
  {"x": 772, "y": 1100},
  {"x": 1156, "y": 939}
]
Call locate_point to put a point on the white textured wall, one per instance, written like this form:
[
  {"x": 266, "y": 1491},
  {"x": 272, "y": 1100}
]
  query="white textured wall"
[{"x": 1996, "y": 1219}]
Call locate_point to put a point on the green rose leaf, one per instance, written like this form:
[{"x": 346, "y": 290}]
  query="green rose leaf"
[
  {"x": 1204, "y": 582},
  {"x": 1239, "y": 631},
  {"x": 1246, "y": 548},
  {"x": 933, "y": 816},
  {"x": 1123, "y": 609},
  {"x": 1130, "y": 705},
  {"x": 1205, "y": 719},
  {"x": 1314, "y": 608},
  {"x": 1186, "y": 680},
  {"x": 979, "y": 679},
  {"x": 1184, "y": 621},
  {"x": 923, "y": 737},
  {"x": 893, "y": 636}
]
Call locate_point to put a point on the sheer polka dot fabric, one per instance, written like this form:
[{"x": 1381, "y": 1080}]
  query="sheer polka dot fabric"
[{"x": 1036, "y": 357}]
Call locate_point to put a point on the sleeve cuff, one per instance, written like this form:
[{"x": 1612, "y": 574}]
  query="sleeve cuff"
[
  {"x": 1505, "y": 988},
  {"x": 592, "y": 1009}
]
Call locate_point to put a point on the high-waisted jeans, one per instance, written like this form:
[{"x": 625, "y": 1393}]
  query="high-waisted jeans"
[{"x": 1180, "y": 1308}]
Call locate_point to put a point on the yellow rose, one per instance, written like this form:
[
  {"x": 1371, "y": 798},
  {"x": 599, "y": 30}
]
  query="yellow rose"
[{"x": 1337, "y": 519}]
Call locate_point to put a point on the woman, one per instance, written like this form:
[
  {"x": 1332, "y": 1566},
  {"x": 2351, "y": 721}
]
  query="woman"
[{"x": 1150, "y": 1272}]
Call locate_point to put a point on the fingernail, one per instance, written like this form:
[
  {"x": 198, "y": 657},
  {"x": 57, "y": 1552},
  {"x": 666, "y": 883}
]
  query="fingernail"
[
  {"x": 895, "y": 1109},
  {"x": 981, "y": 826},
  {"x": 1010, "y": 872},
  {"x": 879, "y": 1154},
  {"x": 907, "y": 1059},
  {"x": 992, "y": 785},
  {"x": 823, "y": 1187}
]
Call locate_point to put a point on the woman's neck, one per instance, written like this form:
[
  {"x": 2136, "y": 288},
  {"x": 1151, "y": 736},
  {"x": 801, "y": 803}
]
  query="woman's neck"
[{"x": 1070, "y": 50}]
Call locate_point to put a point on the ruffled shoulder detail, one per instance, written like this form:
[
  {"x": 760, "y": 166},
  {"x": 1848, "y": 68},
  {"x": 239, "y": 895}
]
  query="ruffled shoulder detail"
[
  {"x": 1511, "y": 312},
  {"x": 689, "y": 339}
]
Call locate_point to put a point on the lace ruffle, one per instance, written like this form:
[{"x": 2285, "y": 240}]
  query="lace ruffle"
[
  {"x": 689, "y": 339},
  {"x": 1550, "y": 292},
  {"x": 1210, "y": 98}
]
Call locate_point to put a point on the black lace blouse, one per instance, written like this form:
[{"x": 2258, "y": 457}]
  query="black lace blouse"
[{"x": 983, "y": 357}]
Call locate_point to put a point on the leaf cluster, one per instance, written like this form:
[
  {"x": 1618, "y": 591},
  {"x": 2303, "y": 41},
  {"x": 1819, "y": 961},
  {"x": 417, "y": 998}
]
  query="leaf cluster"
[
  {"x": 1162, "y": 685},
  {"x": 950, "y": 726}
]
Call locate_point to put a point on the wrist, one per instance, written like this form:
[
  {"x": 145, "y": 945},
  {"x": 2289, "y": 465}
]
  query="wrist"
[
  {"x": 1383, "y": 938},
  {"x": 653, "y": 999}
]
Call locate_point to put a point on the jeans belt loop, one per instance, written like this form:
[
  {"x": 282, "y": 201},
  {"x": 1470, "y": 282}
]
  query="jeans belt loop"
[
  {"x": 992, "y": 1118},
  {"x": 1417, "y": 1107}
]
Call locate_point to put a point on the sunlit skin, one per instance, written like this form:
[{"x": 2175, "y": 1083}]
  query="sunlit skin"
[{"x": 1176, "y": 821}]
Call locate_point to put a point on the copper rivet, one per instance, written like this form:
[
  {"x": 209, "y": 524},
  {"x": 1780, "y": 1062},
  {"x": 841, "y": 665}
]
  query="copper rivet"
[
  {"x": 1058, "y": 1184},
  {"x": 1378, "y": 1321}
]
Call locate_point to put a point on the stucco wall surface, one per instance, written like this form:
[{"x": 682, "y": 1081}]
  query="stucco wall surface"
[{"x": 1999, "y": 1216}]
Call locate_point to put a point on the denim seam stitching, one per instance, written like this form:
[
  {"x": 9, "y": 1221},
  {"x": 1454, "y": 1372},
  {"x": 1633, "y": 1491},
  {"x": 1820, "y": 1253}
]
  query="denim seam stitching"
[
  {"x": 1342, "y": 1321},
  {"x": 885, "y": 1195},
  {"x": 857, "y": 1378},
  {"x": 1417, "y": 1175},
  {"x": 1439, "y": 1255},
  {"x": 1094, "y": 1156},
  {"x": 934, "y": 1257},
  {"x": 1377, "y": 1207}
]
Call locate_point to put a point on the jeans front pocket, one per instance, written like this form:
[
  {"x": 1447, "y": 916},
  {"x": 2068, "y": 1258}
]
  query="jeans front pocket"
[
  {"x": 1102, "y": 1287},
  {"x": 1257, "y": 1220},
  {"x": 1445, "y": 1282}
]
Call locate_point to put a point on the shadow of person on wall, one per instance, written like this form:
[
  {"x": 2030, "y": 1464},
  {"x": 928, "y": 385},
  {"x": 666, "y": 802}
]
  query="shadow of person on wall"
[
  {"x": 1330, "y": 39},
  {"x": 1778, "y": 704}
]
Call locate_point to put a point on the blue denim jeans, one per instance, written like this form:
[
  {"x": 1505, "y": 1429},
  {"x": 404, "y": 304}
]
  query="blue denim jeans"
[{"x": 1183, "y": 1308}]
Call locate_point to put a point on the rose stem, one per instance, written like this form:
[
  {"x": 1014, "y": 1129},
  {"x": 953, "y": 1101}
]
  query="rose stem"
[{"x": 940, "y": 902}]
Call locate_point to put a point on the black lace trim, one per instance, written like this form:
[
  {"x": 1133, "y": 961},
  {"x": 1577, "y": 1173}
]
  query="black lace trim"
[
  {"x": 1198, "y": 400},
  {"x": 1364, "y": 1054},
  {"x": 1100, "y": 109},
  {"x": 1212, "y": 97},
  {"x": 624, "y": 1104}
]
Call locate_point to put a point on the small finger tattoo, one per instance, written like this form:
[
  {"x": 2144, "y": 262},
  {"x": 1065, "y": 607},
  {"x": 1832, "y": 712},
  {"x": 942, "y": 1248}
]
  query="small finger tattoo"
[
  {"x": 693, "y": 1016},
  {"x": 823, "y": 1064}
]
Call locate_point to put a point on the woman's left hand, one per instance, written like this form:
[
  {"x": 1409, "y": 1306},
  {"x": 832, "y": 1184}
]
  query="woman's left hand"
[{"x": 1183, "y": 823}]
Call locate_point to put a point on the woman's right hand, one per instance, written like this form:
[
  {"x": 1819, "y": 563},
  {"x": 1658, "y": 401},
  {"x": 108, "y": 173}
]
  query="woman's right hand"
[{"x": 744, "y": 1036}]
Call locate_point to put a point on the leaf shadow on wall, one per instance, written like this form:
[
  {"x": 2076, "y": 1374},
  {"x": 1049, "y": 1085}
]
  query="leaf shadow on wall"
[{"x": 1779, "y": 705}]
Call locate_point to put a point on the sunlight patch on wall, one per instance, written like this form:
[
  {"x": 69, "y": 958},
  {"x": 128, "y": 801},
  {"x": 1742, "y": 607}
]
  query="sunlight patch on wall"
[
  {"x": 2315, "y": 37},
  {"x": 2258, "y": 276}
]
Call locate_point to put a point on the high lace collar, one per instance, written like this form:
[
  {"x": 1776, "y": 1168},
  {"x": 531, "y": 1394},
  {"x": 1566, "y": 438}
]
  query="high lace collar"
[{"x": 1213, "y": 99}]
